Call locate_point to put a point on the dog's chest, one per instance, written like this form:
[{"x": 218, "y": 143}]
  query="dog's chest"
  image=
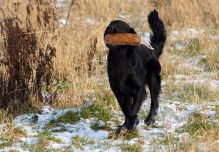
[
  {"x": 119, "y": 66},
  {"x": 122, "y": 73},
  {"x": 126, "y": 80}
]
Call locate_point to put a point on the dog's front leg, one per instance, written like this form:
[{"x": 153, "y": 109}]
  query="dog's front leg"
[
  {"x": 130, "y": 105},
  {"x": 131, "y": 120},
  {"x": 123, "y": 101},
  {"x": 133, "y": 107}
]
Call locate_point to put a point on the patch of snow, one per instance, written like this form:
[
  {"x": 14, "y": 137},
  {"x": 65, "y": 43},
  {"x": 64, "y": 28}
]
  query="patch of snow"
[
  {"x": 145, "y": 39},
  {"x": 90, "y": 21},
  {"x": 209, "y": 113},
  {"x": 62, "y": 22},
  {"x": 25, "y": 122},
  {"x": 180, "y": 46},
  {"x": 197, "y": 80},
  {"x": 133, "y": 141},
  {"x": 46, "y": 110},
  {"x": 62, "y": 3},
  {"x": 214, "y": 38},
  {"x": 65, "y": 137},
  {"x": 184, "y": 135},
  {"x": 187, "y": 66},
  {"x": 124, "y": 16},
  {"x": 14, "y": 147},
  {"x": 28, "y": 140},
  {"x": 175, "y": 33},
  {"x": 202, "y": 147},
  {"x": 84, "y": 130},
  {"x": 1, "y": 141},
  {"x": 46, "y": 114},
  {"x": 214, "y": 84},
  {"x": 62, "y": 6},
  {"x": 189, "y": 33},
  {"x": 193, "y": 32},
  {"x": 192, "y": 108}
]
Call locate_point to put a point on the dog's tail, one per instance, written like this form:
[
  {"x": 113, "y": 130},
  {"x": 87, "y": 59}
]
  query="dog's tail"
[{"x": 158, "y": 38}]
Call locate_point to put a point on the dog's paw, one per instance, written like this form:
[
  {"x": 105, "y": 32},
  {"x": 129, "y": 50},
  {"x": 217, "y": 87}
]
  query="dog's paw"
[
  {"x": 149, "y": 121},
  {"x": 132, "y": 126},
  {"x": 129, "y": 127}
]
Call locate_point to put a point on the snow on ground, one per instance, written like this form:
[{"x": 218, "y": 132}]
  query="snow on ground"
[
  {"x": 62, "y": 6},
  {"x": 200, "y": 76},
  {"x": 189, "y": 32},
  {"x": 172, "y": 115}
]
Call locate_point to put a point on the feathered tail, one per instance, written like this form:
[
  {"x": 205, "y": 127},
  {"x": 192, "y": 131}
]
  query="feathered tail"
[{"x": 158, "y": 38}]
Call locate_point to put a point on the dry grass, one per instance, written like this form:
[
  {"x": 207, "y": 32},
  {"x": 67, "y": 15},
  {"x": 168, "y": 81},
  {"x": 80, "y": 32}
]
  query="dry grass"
[
  {"x": 203, "y": 132},
  {"x": 212, "y": 57},
  {"x": 188, "y": 13},
  {"x": 168, "y": 67},
  {"x": 9, "y": 133},
  {"x": 81, "y": 52},
  {"x": 27, "y": 60}
]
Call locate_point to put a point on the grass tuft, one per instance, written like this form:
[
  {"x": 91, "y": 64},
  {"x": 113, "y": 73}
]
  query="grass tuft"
[
  {"x": 197, "y": 93},
  {"x": 199, "y": 124},
  {"x": 100, "y": 125},
  {"x": 194, "y": 46},
  {"x": 106, "y": 97},
  {"x": 175, "y": 143},
  {"x": 45, "y": 137},
  {"x": 79, "y": 142},
  {"x": 212, "y": 60},
  {"x": 133, "y": 134},
  {"x": 190, "y": 47},
  {"x": 131, "y": 148},
  {"x": 97, "y": 111},
  {"x": 38, "y": 147},
  {"x": 5, "y": 144}
]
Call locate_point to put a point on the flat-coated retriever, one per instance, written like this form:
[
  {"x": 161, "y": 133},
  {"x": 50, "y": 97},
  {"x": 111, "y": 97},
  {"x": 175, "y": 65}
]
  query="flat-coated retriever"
[{"x": 131, "y": 68}]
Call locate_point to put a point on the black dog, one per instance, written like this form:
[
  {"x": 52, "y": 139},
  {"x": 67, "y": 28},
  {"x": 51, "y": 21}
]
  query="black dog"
[{"x": 130, "y": 68}]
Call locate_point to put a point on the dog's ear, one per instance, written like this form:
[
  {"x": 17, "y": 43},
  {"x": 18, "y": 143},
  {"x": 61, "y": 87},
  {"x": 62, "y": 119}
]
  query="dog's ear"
[{"x": 132, "y": 31}]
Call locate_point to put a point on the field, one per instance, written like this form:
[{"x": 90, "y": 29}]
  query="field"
[{"x": 54, "y": 90}]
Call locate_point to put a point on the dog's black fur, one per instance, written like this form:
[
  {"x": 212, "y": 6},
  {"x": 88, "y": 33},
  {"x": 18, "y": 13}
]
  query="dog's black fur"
[{"x": 130, "y": 68}]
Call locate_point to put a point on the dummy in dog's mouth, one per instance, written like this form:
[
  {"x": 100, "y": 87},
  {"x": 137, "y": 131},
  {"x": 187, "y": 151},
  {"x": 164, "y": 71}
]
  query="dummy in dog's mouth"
[{"x": 123, "y": 39}]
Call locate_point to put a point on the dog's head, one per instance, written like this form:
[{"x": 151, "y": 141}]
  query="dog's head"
[{"x": 118, "y": 26}]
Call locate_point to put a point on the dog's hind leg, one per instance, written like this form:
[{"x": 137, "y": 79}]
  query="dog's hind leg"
[
  {"x": 154, "y": 87},
  {"x": 154, "y": 82}
]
